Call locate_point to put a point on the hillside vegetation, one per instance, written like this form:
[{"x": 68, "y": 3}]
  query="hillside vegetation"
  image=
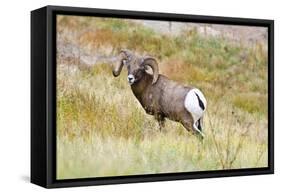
[{"x": 103, "y": 131}]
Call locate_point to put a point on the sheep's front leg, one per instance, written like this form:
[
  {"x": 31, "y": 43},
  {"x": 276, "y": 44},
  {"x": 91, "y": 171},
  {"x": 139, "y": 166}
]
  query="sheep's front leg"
[
  {"x": 161, "y": 124},
  {"x": 161, "y": 121}
]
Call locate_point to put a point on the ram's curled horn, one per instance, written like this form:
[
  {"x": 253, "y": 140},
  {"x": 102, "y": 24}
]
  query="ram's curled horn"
[
  {"x": 124, "y": 54},
  {"x": 151, "y": 62}
]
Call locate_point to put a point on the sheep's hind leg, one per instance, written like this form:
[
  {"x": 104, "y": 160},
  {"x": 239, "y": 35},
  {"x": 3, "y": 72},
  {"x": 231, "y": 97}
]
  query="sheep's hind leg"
[
  {"x": 187, "y": 122},
  {"x": 198, "y": 129},
  {"x": 190, "y": 125}
]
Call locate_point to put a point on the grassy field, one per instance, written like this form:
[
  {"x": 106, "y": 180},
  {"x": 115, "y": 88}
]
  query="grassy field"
[{"x": 103, "y": 131}]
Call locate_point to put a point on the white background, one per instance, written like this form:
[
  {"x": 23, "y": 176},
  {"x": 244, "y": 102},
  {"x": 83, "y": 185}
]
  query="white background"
[{"x": 15, "y": 95}]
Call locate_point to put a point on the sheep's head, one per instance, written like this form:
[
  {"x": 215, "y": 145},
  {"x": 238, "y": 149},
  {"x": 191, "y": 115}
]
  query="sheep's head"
[{"x": 136, "y": 66}]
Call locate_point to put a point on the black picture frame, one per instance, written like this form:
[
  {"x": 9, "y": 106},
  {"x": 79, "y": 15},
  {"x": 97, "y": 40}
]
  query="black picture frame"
[{"x": 43, "y": 96}]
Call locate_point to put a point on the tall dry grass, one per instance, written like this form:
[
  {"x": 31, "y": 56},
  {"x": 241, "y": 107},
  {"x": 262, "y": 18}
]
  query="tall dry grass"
[{"x": 103, "y": 131}]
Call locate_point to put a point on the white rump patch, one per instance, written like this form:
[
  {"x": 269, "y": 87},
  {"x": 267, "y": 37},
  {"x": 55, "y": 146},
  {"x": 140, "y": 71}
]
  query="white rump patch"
[{"x": 191, "y": 104}]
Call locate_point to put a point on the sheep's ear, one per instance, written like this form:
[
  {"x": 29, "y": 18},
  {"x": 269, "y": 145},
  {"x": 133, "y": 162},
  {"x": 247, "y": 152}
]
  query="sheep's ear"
[{"x": 126, "y": 53}]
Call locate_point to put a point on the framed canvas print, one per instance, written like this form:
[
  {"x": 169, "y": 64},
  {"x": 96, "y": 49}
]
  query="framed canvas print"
[{"x": 126, "y": 96}]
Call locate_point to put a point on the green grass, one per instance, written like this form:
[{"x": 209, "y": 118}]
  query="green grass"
[{"x": 103, "y": 131}]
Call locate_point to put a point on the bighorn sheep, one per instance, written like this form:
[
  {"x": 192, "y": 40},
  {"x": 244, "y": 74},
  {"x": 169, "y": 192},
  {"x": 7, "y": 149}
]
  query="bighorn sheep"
[{"x": 160, "y": 96}]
